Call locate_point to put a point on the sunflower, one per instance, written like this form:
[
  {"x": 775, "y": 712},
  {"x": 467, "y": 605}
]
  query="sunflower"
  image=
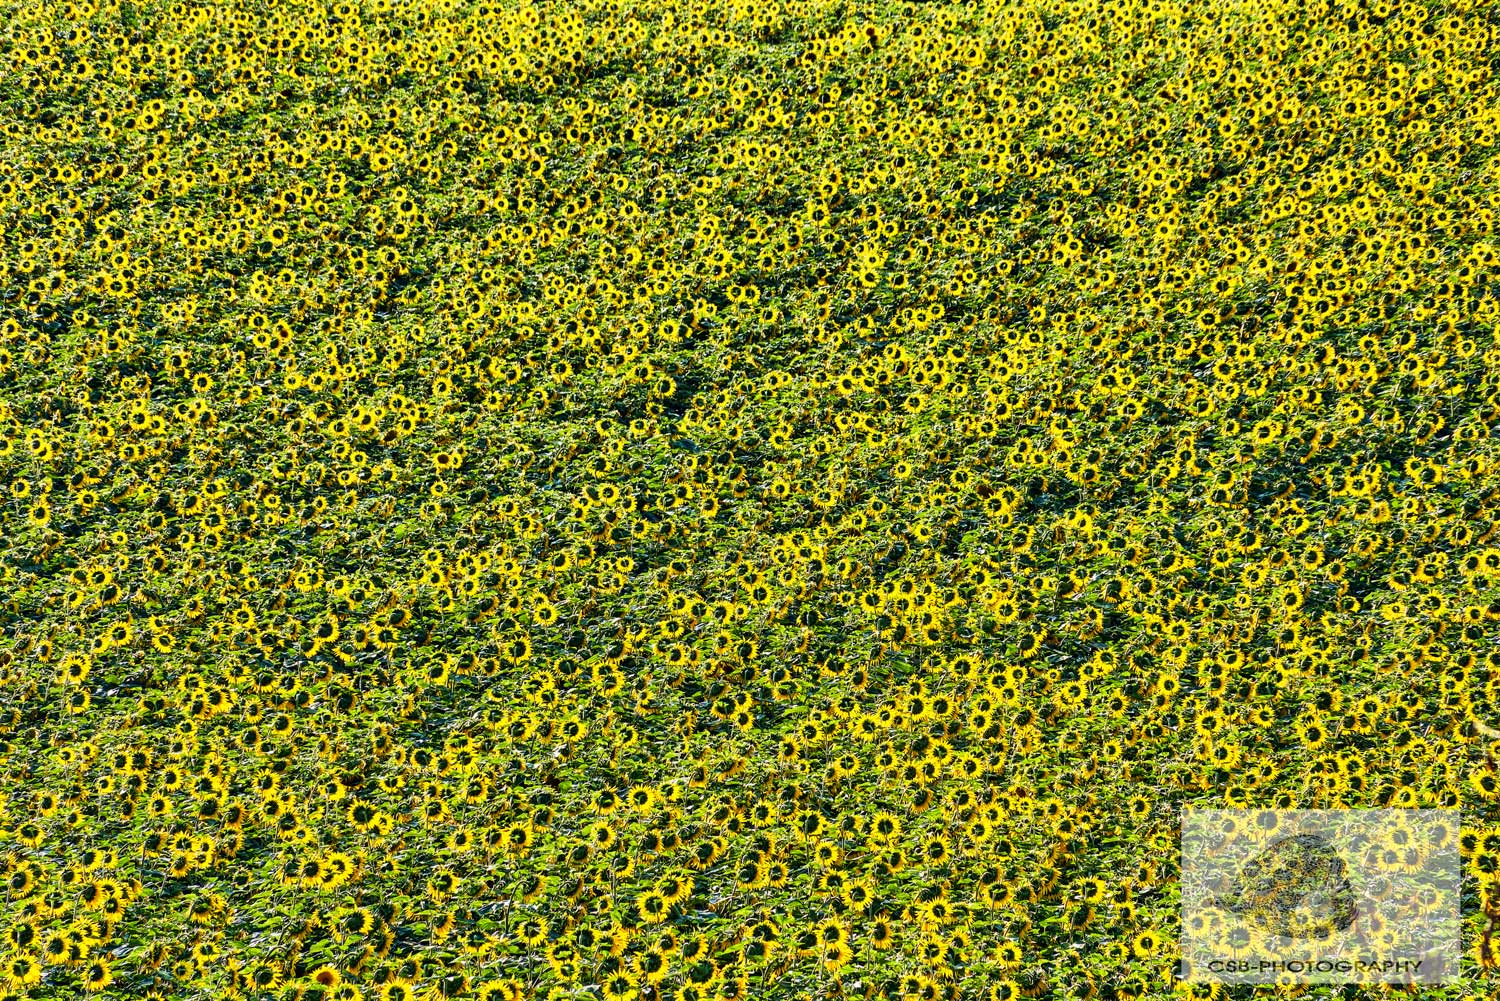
[
  {"x": 97, "y": 975},
  {"x": 263, "y": 977},
  {"x": 653, "y": 907},
  {"x": 619, "y": 988},
  {"x": 1145, "y": 944},
  {"x": 23, "y": 971},
  {"x": 652, "y": 965}
]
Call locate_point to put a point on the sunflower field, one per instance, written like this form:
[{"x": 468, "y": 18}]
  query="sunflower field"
[{"x": 644, "y": 500}]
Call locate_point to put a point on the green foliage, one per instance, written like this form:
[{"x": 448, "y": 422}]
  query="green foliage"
[{"x": 756, "y": 499}]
